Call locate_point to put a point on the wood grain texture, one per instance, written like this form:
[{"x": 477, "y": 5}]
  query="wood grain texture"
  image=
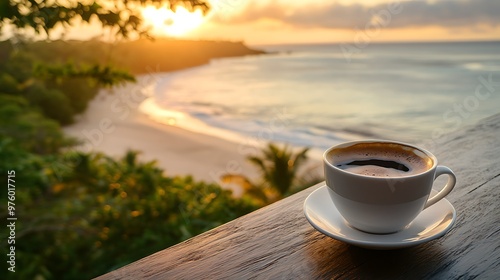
[{"x": 277, "y": 242}]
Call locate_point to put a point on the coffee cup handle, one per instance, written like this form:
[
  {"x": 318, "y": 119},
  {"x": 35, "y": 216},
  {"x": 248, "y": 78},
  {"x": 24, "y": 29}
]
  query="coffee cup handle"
[{"x": 452, "y": 179}]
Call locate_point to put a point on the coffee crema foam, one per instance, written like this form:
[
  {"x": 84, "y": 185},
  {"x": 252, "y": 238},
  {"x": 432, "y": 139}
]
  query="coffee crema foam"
[{"x": 381, "y": 159}]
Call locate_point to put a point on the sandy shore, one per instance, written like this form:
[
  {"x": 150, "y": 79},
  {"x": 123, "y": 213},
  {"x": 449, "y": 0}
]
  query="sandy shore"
[{"x": 112, "y": 124}]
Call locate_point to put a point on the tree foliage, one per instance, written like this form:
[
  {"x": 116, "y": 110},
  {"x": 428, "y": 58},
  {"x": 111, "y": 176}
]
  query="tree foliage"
[
  {"x": 28, "y": 128},
  {"x": 83, "y": 214},
  {"x": 32, "y": 93},
  {"x": 86, "y": 214},
  {"x": 279, "y": 168},
  {"x": 103, "y": 74},
  {"x": 122, "y": 17}
]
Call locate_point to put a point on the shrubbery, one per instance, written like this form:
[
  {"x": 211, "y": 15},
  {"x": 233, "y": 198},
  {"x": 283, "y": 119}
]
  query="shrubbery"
[
  {"x": 83, "y": 214},
  {"x": 95, "y": 213}
]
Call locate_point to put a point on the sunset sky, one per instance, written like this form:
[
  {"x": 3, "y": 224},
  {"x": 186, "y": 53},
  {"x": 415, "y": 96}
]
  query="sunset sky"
[
  {"x": 314, "y": 21},
  {"x": 268, "y": 22}
]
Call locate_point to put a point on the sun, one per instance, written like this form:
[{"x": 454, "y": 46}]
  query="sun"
[{"x": 164, "y": 21}]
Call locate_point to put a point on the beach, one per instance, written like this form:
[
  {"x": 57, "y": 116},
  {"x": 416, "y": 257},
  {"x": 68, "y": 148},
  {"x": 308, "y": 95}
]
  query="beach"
[{"x": 112, "y": 124}]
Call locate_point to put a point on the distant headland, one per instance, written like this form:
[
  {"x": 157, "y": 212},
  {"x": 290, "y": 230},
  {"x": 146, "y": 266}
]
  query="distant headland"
[{"x": 138, "y": 56}]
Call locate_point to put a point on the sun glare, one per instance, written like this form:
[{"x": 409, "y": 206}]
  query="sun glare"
[{"x": 163, "y": 21}]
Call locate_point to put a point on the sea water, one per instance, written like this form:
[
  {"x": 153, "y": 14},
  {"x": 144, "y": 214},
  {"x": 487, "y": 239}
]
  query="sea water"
[{"x": 319, "y": 95}]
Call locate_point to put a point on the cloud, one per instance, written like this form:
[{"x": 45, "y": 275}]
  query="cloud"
[{"x": 466, "y": 13}]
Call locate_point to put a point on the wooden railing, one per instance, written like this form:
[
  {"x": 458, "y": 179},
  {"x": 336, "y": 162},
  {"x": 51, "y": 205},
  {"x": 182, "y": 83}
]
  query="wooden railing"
[{"x": 277, "y": 242}]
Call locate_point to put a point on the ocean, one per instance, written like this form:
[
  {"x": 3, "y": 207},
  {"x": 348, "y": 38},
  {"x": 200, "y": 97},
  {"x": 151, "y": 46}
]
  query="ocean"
[{"x": 321, "y": 94}]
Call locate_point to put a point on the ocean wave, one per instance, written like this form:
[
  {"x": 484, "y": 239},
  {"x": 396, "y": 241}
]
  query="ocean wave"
[{"x": 240, "y": 129}]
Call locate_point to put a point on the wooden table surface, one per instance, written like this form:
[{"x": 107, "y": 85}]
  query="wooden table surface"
[{"x": 277, "y": 242}]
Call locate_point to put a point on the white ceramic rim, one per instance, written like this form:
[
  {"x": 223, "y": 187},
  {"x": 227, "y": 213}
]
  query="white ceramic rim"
[{"x": 350, "y": 143}]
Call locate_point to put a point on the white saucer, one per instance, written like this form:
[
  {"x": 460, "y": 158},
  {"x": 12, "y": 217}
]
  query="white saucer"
[{"x": 432, "y": 223}]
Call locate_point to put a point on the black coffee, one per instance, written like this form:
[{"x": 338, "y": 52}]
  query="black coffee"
[
  {"x": 377, "y": 162},
  {"x": 381, "y": 159}
]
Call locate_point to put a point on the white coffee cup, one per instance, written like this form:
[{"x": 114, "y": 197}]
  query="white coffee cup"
[{"x": 373, "y": 200}]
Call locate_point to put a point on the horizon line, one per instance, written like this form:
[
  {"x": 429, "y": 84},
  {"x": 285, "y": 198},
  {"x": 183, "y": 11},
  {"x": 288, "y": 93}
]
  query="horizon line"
[{"x": 384, "y": 42}]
